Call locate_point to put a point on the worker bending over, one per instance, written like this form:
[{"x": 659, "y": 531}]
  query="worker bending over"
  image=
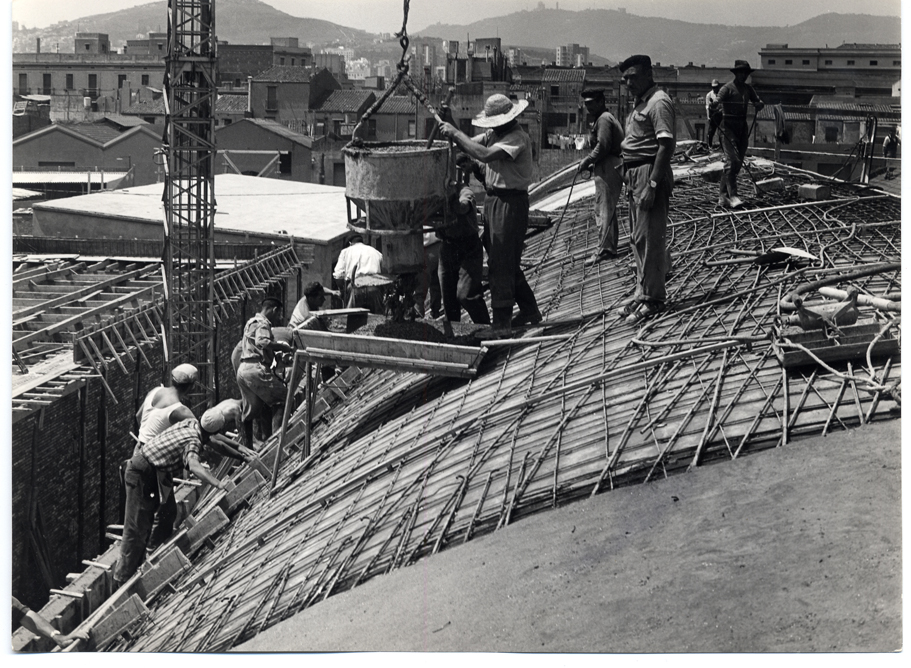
[
  {"x": 647, "y": 150},
  {"x": 505, "y": 150},
  {"x": 734, "y": 98},
  {"x": 357, "y": 260},
  {"x": 262, "y": 390},
  {"x": 313, "y": 300},
  {"x": 150, "y": 478}
]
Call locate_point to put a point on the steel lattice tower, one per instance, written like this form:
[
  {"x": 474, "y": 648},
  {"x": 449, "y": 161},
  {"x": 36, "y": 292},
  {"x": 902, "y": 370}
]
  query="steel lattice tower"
[{"x": 189, "y": 197}]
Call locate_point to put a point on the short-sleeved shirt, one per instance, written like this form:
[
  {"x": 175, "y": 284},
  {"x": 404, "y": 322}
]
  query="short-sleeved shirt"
[
  {"x": 257, "y": 335},
  {"x": 301, "y": 312},
  {"x": 711, "y": 102},
  {"x": 606, "y": 138},
  {"x": 169, "y": 450},
  {"x": 652, "y": 118},
  {"x": 734, "y": 101},
  {"x": 516, "y": 172},
  {"x": 466, "y": 223}
]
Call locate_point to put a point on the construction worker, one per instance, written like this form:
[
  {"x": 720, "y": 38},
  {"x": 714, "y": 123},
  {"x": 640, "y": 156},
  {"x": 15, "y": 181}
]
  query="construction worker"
[
  {"x": 734, "y": 98},
  {"x": 149, "y": 479},
  {"x": 505, "y": 149},
  {"x": 890, "y": 150},
  {"x": 462, "y": 255},
  {"x": 647, "y": 150},
  {"x": 24, "y": 616},
  {"x": 712, "y": 111},
  {"x": 157, "y": 411},
  {"x": 313, "y": 300},
  {"x": 356, "y": 260},
  {"x": 606, "y": 165},
  {"x": 261, "y": 390}
]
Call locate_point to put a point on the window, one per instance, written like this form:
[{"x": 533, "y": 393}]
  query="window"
[
  {"x": 806, "y": 62},
  {"x": 788, "y": 62},
  {"x": 228, "y": 121},
  {"x": 46, "y": 84},
  {"x": 281, "y": 61},
  {"x": 850, "y": 62},
  {"x": 292, "y": 62},
  {"x": 284, "y": 163},
  {"x": 874, "y": 62},
  {"x": 87, "y": 47},
  {"x": 121, "y": 79},
  {"x": 23, "y": 84},
  {"x": 149, "y": 119},
  {"x": 554, "y": 91},
  {"x": 145, "y": 80},
  {"x": 93, "y": 85},
  {"x": 828, "y": 62},
  {"x": 69, "y": 82},
  {"x": 411, "y": 129},
  {"x": 160, "y": 46},
  {"x": 831, "y": 135},
  {"x": 572, "y": 118},
  {"x": 771, "y": 61},
  {"x": 897, "y": 63},
  {"x": 271, "y": 101}
]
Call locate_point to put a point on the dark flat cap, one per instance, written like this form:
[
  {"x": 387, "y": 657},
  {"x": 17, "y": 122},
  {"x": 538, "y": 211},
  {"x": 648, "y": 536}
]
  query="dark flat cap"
[{"x": 640, "y": 59}]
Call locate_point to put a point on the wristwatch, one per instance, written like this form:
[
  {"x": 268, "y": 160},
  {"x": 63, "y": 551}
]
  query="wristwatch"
[{"x": 653, "y": 184}]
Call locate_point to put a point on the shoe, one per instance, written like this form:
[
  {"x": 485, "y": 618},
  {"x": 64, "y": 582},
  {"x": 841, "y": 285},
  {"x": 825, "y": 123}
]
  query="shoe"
[
  {"x": 646, "y": 310},
  {"x": 524, "y": 319},
  {"x": 628, "y": 308},
  {"x": 724, "y": 202}
]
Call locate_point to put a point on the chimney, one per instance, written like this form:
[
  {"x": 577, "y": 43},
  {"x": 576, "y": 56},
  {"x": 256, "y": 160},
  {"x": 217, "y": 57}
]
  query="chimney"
[
  {"x": 249, "y": 113},
  {"x": 37, "y": 45}
]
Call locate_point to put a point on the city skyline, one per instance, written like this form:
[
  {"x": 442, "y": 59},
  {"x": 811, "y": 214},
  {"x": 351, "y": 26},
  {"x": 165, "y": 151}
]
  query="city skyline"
[{"x": 386, "y": 15}]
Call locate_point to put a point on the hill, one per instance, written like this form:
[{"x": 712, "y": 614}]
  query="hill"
[
  {"x": 237, "y": 22},
  {"x": 615, "y": 34}
]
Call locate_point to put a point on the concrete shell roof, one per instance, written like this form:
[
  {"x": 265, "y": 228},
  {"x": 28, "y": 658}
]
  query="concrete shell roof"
[
  {"x": 260, "y": 206},
  {"x": 404, "y": 465}
]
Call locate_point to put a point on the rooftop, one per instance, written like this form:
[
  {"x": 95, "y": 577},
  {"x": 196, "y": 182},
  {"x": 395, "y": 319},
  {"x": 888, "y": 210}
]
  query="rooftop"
[
  {"x": 348, "y": 101},
  {"x": 285, "y": 74}
]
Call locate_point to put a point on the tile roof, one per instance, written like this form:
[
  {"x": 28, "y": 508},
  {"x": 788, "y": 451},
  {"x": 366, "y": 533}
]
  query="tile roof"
[
  {"x": 347, "y": 100},
  {"x": 100, "y": 131},
  {"x": 285, "y": 74},
  {"x": 227, "y": 103},
  {"x": 556, "y": 75},
  {"x": 146, "y": 108},
  {"x": 397, "y": 104},
  {"x": 277, "y": 128}
]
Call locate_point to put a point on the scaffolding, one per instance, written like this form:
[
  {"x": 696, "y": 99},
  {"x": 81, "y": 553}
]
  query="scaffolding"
[{"x": 189, "y": 197}]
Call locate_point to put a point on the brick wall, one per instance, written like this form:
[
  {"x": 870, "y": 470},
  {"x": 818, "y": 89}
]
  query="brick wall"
[{"x": 66, "y": 486}]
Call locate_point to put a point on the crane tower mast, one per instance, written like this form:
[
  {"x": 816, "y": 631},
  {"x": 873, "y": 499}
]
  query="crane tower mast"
[{"x": 189, "y": 198}]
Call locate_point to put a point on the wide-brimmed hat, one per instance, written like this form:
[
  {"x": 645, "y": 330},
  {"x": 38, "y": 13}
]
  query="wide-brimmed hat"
[
  {"x": 499, "y": 110},
  {"x": 740, "y": 66}
]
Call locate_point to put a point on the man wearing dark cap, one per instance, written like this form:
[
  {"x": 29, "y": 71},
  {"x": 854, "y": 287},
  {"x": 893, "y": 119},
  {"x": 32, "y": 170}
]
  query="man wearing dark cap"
[
  {"x": 712, "y": 111},
  {"x": 606, "y": 165},
  {"x": 505, "y": 150},
  {"x": 149, "y": 479},
  {"x": 734, "y": 98},
  {"x": 647, "y": 150}
]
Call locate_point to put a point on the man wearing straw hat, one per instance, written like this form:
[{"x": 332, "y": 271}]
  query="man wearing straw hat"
[
  {"x": 505, "y": 151},
  {"x": 734, "y": 99}
]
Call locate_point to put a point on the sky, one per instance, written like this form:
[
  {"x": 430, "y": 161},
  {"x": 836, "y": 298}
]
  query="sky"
[{"x": 386, "y": 15}]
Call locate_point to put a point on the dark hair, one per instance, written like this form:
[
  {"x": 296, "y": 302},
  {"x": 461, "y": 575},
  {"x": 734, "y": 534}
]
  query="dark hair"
[
  {"x": 642, "y": 60},
  {"x": 182, "y": 387},
  {"x": 270, "y": 301},
  {"x": 355, "y": 238},
  {"x": 593, "y": 94},
  {"x": 314, "y": 289}
]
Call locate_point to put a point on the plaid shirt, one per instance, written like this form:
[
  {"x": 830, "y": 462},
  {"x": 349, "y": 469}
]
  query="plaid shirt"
[{"x": 169, "y": 450}]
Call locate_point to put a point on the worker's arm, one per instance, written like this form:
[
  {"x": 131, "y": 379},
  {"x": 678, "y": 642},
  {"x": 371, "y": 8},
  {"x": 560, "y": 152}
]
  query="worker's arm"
[
  {"x": 41, "y": 627},
  {"x": 659, "y": 170},
  {"x": 602, "y": 145},
  {"x": 474, "y": 149},
  {"x": 201, "y": 472},
  {"x": 754, "y": 96},
  {"x": 230, "y": 448}
]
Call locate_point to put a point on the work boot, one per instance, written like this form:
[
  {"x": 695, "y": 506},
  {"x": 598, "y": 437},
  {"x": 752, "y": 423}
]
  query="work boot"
[{"x": 502, "y": 317}]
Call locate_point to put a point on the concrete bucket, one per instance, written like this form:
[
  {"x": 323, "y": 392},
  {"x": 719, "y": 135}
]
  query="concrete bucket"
[{"x": 396, "y": 188}]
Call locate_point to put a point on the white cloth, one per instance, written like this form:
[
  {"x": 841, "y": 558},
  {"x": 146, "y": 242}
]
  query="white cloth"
[{"x": 357, "y": 260}]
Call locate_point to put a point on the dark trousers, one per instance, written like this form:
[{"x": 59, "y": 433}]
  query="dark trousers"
[
  {"x": 713, "y": 128},
  {"x": 734, "y": 140},
  {"x": 648, "y": 233},
  {"x": 428, "y": 281},
  {"x": 461, "y": 269},
  {"x": 143, "y": 507},
  {"x": 504, "y": 236}
]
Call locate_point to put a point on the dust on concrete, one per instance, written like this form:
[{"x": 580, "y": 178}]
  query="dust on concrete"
[{"x": 796, "y": 549}]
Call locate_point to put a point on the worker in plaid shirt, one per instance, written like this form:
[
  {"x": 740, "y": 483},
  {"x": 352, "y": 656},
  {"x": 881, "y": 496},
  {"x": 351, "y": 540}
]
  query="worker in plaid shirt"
[{"x": 150, "y": 476}]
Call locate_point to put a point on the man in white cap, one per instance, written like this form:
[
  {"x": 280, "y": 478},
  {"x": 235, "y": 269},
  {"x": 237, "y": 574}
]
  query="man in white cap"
[
  {"x": 157, "y": 411},
  {"x": 712, "y": 111},
  {"x": 735, "y": 98},
  {"x": 505, "y": 150},
  {"x": 149, "y": 478}
]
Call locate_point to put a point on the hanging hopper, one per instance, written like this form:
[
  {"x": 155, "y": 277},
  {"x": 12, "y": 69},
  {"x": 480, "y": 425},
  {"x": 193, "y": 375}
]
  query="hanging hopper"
[{"x": 395, "y": 189}]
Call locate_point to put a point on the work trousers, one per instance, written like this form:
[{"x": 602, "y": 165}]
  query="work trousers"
[
  {"x": 428, "y": 281},
  {"x": 734, "y": 140},
  {"x": 461, "y": 269},
  {"x": 608, "y": 186},
  {"x": 143, "y": 506},
  {"x": 648, "y": 233},
  {"x": 504, "y": 235},
  {"x": 713, "y": 128}
]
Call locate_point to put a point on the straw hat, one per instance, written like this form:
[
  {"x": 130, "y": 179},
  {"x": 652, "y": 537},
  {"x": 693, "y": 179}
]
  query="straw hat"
[
  {"x": 499, "y": 110},
  {"x": 740, "y": 66}
]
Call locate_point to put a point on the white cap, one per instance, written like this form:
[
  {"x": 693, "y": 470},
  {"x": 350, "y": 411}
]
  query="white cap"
[{"x": 184, "y": 373}]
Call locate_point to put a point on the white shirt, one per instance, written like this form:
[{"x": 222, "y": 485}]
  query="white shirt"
[{"x": 359, "y": 258}]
